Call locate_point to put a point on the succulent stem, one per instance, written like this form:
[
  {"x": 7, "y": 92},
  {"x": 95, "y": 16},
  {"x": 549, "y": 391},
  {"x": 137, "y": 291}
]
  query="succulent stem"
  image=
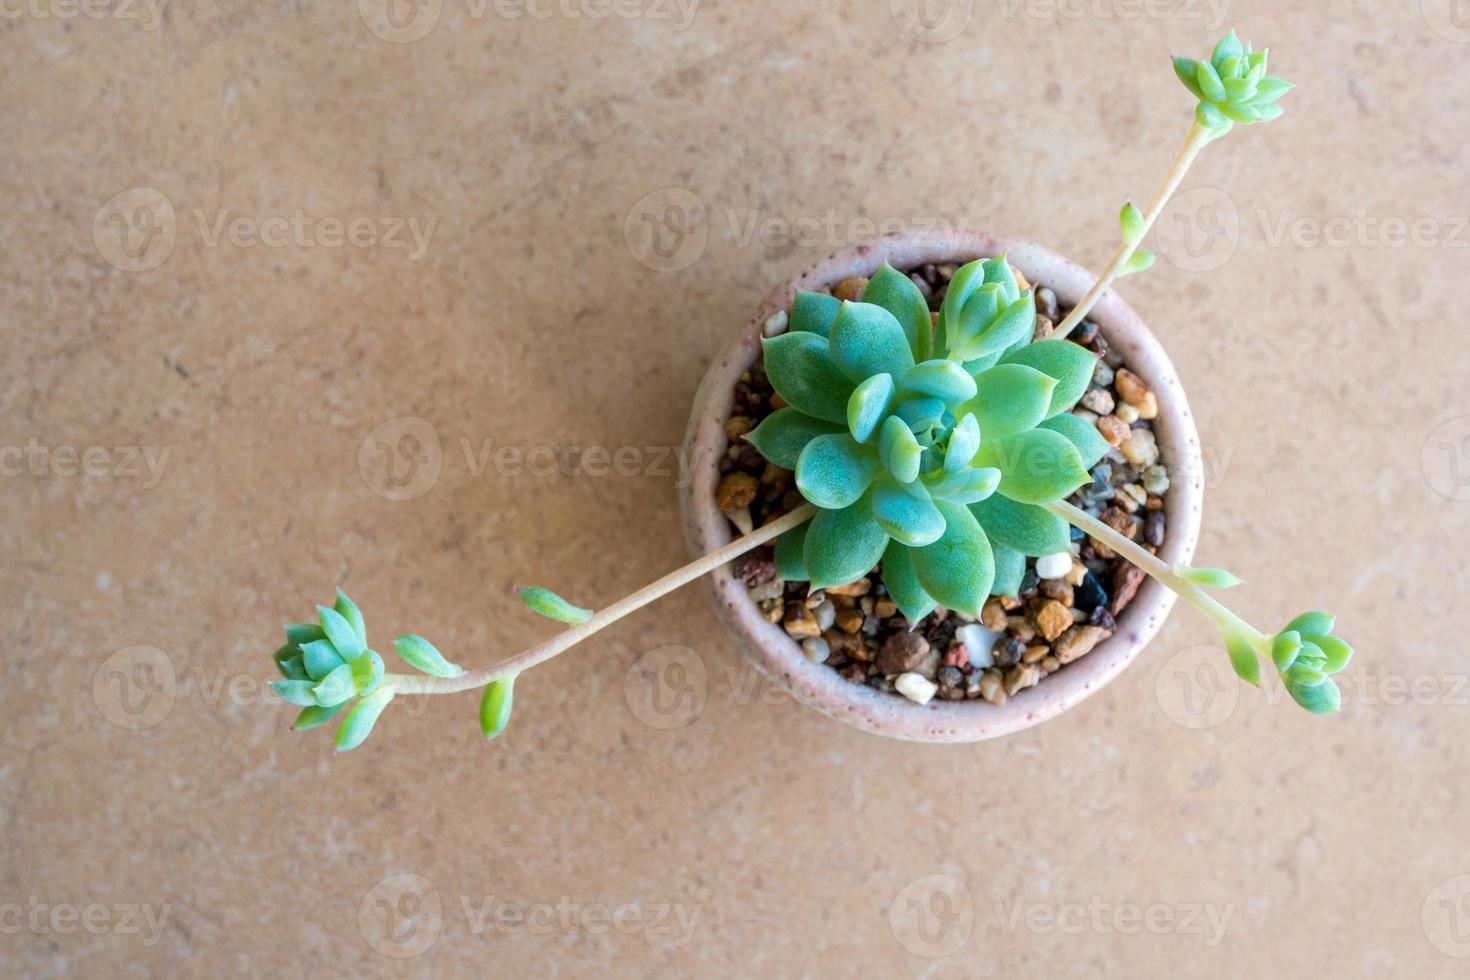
[
  {"x": 542, "y": 652},
  {"x": 1163, "y": 572},
  {"x": 1198, "y": 136}
]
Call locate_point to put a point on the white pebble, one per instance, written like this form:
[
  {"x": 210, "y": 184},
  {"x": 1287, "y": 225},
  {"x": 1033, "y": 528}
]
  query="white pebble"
[
  {"x": 826, "y": 614},
  {"x": 1054, "y": 566},
  {"x": 979, "y": 644},
  {"x": 916, "y": 688},
  {"x": 777, "y": 324},
  {"x": 1126, "y": 413},
  {"x": 816, "y": 649}
]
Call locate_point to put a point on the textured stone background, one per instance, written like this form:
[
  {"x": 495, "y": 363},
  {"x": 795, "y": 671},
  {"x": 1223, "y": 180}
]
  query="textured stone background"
[{"x": 1328, "y": 372}]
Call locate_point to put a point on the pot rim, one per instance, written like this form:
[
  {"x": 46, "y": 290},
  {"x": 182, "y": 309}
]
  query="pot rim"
[{"x": 777, "y": 656}]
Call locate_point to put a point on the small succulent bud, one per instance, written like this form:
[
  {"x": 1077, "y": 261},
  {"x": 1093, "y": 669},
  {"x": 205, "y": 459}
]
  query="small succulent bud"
[
  {"x": 495, "y": 707},
  {"x": 544, "y": 602}
]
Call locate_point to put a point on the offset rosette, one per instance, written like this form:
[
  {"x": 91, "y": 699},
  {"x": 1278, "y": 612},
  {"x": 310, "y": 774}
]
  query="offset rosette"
[
  {"x": 1232, "y": 86},
  {"x": 927, "y": 445}
]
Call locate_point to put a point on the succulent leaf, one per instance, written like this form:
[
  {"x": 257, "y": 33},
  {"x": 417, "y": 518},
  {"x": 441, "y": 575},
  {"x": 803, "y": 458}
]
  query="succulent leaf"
[
  {"x": 1209, "y": 578},
  {"x": 1037, "y": 466},
  {"x": 1285, "y": 648},
  {"x": 962, "y": 286},
  {"x": 834, "y": 471},
  {"x": 295, "y": 691},
  {"x": 495, "y": 707},
  {"x": 998, "y": 270},
  {"x": 942, "y": 379},
  {"x": 867, "y": 340},
  {"x": 358, "y": 724},
  {"x": 802, "y": 372},
  {"x": 964, "y": 442},
  {"x": 969, "y": 485},
  {"x": 1311, "y": 624},
  {"x": 1024, "y": 528},
  {"x": 1010, "y": 569},
  {"x": 348, "y": 610},
  {"x": 784, "y": 433},
  {"x": 898, "y": 450},
  {"x": 314, "y": 716},
  {"x": 1011, "y": 398},
  {"x": 843, "y": 545},
  {"x": 814, "y": 313},
  {"x": 957, "y": 570},
  {"x": 1337, "y": 653},
  {"x": 335, "y": 688},
  {"x": 1070, "y": 364},
  {"x": 909, "y": 519},
  {"x": 367, "y": 672},
  {"x": 790, "y": 554},
  {"x": 320, "y": 658},
  {"x": 299, "y": 633},
  {"x": 341, "y": 633},
  {"x": 1229, "y": 47},
  {"x": 1243, "y": 658},
  {"x": 292, "y": 667},
  {"x": 897, "y": 294},
  {"x": 1132, "y": 221},
  {"x": 423, "y": 656},
  {"x": 1188, "y": 71},
  {"x": 1313, "y": 690},
  {"x": 1090, "y": 444},
  {"x": 903, "y": 585},
  {"x": 870, "y": 403}
]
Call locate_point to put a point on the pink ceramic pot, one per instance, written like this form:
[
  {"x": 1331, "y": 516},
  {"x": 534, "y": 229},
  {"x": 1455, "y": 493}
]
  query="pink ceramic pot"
[{"x": 819, "y": 686}]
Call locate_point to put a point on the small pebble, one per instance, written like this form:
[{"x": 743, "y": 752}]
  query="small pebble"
[
  {"x": 979, "y": 644},
  {"x": 1054, "y": 566},
  {"x": 917, "y": 689},
  {"x": 777, "y": 324},
  {"x": 1156, "y": 479},
  {"x": 826, "y": 614},
  {"x": 1126, "y": 413},
  {"x": 1098, "y": 400},
  {"x": 1153, "y": 528},
  {"x": 1021, "y": 677},
  {"x": 1140, "y": 448},
  {"x": 816, "y": 649},
  {"x": 1090, "y": 594},
  {"x": 1102, "y": 374},
  {"x": 991, "y": 687},
  {"x": 851, "y": 288},
  {"x": 1114, "y": 430}
]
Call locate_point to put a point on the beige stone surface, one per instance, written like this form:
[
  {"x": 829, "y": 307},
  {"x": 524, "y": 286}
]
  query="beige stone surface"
[{"x": 157, "y": 819}]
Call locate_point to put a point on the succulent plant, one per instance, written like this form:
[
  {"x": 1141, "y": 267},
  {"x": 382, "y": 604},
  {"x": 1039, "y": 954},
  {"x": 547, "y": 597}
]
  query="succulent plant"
[
  {"x": 1232, "y": 86},
  {"x": 940, "y": 446},
  {"x": 927, "y": 443},
  {"x": 327, "y": 664}
]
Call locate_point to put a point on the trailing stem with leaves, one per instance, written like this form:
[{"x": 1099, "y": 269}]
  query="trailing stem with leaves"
[{"x": 942, "y": 447}]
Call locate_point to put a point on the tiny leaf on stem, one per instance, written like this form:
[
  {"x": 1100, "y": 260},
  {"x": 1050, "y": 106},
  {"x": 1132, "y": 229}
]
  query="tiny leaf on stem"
[
  {"x": 544, "y": 602},
  {"x": 495, "y": 707},
  {"x": 421, "y": 655}
]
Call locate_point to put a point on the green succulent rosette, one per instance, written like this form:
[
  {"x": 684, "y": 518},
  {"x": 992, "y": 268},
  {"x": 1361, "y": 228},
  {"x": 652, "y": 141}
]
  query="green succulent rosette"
[
  {"x": 1232, "y": 86},
  {"x": 327, "y": 667},
  {"x": 1306, "y": 655},
  {"x": 927, "y": 445}
]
